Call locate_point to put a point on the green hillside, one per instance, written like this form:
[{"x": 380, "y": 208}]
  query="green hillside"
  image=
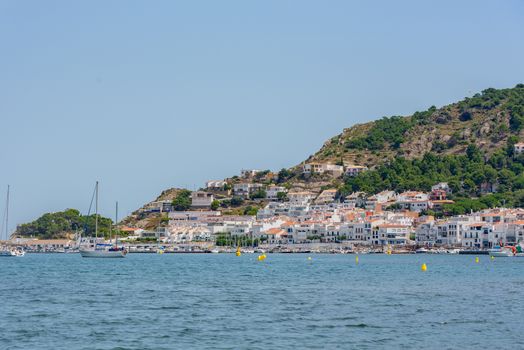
[
  {"x": 487, "y": 120},
  {"x": 63, "y": 224}
]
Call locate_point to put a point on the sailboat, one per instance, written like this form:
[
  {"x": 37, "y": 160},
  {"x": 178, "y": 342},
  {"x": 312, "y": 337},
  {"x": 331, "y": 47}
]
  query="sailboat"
[
  {"x": 93, "y": 247},
  {"x": 6, "y": 251}
]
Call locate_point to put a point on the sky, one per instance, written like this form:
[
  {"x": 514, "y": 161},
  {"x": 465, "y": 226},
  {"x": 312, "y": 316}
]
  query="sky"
[{"x": 148, "y": 95}]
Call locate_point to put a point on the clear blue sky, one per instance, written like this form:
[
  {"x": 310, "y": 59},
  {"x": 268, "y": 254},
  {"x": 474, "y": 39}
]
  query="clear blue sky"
[{"x": 146, "y": 95}]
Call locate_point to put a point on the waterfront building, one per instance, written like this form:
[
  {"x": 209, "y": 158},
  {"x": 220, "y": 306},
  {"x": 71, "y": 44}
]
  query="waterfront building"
[{"x": 390, "y": 234}]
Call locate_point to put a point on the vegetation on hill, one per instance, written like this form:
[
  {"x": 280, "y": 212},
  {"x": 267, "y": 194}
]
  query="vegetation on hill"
[
  {"x": 467, "y": 144},
  {"x": 63, "y": 224},
  {"x": 182, "y": 200},
  {"x": 472, "y": 175},
  {"x": 487, "y": 119}
]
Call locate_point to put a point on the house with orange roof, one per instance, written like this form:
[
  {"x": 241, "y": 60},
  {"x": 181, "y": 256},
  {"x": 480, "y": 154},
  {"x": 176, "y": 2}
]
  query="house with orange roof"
[{"x": 274, "y": 236}]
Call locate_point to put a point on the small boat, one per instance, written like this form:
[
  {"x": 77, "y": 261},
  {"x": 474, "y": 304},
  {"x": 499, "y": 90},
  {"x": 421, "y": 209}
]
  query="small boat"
[
  {"x": 94, "y": 248},
  {"x": 473, "y": 252},
  {"x": 11, "y": 252},
  {"x": 7, "y": 251},
  {"x": 101, "y": 250},
  {"x": 502, "y": 252},
  {"x": 421, "y": 251}
]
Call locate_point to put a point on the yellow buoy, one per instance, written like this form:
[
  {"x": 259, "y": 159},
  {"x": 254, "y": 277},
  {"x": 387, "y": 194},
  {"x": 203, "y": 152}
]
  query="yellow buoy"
[
  {"x": 477, "y": 260},
  {"x": 424, "y": 267},
  {"x": 492, "y": 258},
  {"x": 356, "y": 259},
  {"x": 262, "y": 257},
  {"x": 309, "y": 258},
  {"x": 238, "y": 253}
]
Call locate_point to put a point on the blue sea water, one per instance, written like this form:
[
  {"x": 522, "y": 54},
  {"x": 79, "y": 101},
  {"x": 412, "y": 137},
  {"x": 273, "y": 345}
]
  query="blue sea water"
[{"x": 220, "y": 301}]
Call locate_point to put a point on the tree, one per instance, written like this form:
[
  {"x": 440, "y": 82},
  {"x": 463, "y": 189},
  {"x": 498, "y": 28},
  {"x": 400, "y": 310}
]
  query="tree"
[
  {"x": 215, "y": 204},
  {"x": 474, "y": 153},
  {"x": 261, "y": 193},
  {"x": 236, "y": 201},
  {"x": 281, "y": 196},
  {"x": 182, "y": 201},
  {"x": 283, "y": 175},
  {"x": 249, "y": 210},
  {"x": 60, "y": 224}
]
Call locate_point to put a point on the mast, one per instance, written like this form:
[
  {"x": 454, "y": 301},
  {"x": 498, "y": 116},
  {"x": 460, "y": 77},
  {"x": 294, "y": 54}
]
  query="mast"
[
  {"x": 96, "y": 210},
  {"x": 116, "y": 224},
  {"x": 7, "y": 215}
]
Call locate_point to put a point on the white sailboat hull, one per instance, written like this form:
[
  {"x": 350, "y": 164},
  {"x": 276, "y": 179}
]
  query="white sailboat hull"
[
  {"x": 102, "y": 253},
  {"x": 11, "y": 253},
  {"x": 501, "y": 253}
]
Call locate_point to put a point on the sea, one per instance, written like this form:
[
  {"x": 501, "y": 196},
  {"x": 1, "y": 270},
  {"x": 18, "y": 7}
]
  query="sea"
[{"x": 288, "y": 301}]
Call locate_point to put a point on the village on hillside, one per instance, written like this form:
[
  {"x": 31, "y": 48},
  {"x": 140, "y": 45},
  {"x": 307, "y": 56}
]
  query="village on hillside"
[{"x": 299, "y": 220}]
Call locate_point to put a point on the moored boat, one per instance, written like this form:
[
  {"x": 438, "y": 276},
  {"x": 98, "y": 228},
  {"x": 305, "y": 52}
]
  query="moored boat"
[
  {"x": 9, "y": 251},
  {"x": 502, "y": 252},
  {"x": 93, "y": 248},
  {"x": 102, "y": 251}
]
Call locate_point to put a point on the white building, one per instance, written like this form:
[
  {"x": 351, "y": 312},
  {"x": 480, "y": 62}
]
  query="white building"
[
  {"x": 201, "y": 199},
  {"x": 414, "y": 201},
  {"x": 272, "y": 192},
  {"x": 383, "y": 197},
  {"x": 321, "y": 168},
  {"x": 426, "y": 233},
  {"x": 215, "y": 185},
  {"x": 518, "y": 148},
  {"x": 248, "y": 172},
  {"x": 390, "y": 234},
  {"x": 354, "y": 170},
  {"x": 327, "y": 196},
  {"x": 163, "y": 206},
  {"x": 246, "y": 188},
  {"x": 477, "y": 235},
  {"x": 300, "y": 197},
  {"x": 441, "y": 186}
]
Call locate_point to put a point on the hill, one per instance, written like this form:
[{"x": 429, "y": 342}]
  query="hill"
[
  {"x": 64, "y": 224},
  {"x": 487, "y": 119},
  {"x": 468, "y": 144}
]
